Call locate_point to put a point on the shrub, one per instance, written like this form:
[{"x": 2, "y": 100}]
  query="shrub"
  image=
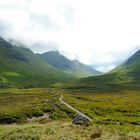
[
  {"x": 37, "y": 112},
  {"x": 96, "y": 134},
  {"x": 8, "y": 119}
]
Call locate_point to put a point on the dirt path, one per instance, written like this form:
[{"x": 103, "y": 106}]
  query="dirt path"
[
  {"x": 69, "y": 106},
  {"x": 77, "y": 111}
]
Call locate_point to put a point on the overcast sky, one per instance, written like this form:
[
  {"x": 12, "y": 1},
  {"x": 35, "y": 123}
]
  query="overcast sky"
[{"x": 102, "y": 33}]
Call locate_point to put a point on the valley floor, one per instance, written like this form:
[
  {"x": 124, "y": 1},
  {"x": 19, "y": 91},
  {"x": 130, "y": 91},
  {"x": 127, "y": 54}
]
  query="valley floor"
[{"x": 115, "y": 115}]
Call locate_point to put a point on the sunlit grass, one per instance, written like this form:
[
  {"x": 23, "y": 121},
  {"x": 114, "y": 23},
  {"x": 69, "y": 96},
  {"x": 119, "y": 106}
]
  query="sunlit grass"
[
  {"x": 121, "y": 109},
  {"x": 116, "y": 115},
  {"x": 63, "y": 129}
]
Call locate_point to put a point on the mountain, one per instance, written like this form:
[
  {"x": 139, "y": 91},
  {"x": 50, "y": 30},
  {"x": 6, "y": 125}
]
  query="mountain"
[
  {"x": 131, "y": 68},
  {"x": 59, "y": 61},
  {"x": 19, "y": 66},
  {"x": 126, "y": 74}
]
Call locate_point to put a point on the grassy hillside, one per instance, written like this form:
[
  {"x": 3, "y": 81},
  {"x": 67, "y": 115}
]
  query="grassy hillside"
[
  {"x": 74, "y": 67},
  {"x": 128, "y": 74},
  {"x": 131, "y": 68},
  {"x": 19, "y": 66}
]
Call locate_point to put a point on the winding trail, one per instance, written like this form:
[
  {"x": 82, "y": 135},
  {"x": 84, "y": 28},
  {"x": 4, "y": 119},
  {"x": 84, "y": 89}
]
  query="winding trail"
[{"x": 77, "y": 111}]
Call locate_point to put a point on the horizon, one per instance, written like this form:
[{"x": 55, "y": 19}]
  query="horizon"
[{"x": 95, "y": 33}]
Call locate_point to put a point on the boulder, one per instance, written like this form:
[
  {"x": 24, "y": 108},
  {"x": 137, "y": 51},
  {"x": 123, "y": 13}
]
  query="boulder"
[{"x": 80, "y": 120}]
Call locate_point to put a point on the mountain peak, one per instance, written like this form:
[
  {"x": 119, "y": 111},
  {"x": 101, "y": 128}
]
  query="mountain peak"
[
  {"x": 54, "y": 51},
  {"x": 57, "y": 60}
]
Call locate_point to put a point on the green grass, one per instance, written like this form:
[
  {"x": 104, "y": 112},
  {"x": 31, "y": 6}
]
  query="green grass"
[
  {"x": 16, "y": 105},
  {"x": 112, "y": 109},
  {"x": 116, "y": 115},
  {"x": 62, "y": 129}
]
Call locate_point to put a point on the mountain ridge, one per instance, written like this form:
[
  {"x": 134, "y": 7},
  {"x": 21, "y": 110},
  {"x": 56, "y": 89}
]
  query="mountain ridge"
[
  {"x": 19, "y": 66},
  {"x": 72, "y": 66},
  {"x": 126, "y": 74}
]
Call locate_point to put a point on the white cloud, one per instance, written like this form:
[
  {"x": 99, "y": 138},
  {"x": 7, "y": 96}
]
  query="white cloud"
[{"x": 101, "y": 33}]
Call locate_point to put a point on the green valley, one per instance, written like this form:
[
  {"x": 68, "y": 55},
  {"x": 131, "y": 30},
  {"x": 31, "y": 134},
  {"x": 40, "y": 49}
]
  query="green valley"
[
  {"x": 69, "y": 70},
  {"x": 32, "y": 87}
]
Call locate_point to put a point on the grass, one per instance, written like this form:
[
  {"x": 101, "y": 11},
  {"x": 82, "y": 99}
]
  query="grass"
[
  {"x": 113, "y": 109},
  {"x": 61, "y": 130},
  {"x": 16, "y": 105},
  {"x": 116, "y": 115}
]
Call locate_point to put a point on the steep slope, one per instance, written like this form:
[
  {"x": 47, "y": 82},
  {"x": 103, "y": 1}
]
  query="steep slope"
[
  {"x": 131, "y": 68},
  {"x": 19, "y": 66},
  {"x": 59, "y": 61},
  {"x": 126, "y": 74}
]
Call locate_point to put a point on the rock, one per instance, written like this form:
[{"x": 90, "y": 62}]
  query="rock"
[{"x": 80, "y": 120}]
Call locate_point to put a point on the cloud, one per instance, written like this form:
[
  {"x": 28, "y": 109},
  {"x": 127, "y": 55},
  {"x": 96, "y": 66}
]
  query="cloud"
[
  {"x": 100, "y": 33},
  {"x": 4, "y": 27},
  {"x": 41, "y": 46},
  {"x": 44, "y": 21}
]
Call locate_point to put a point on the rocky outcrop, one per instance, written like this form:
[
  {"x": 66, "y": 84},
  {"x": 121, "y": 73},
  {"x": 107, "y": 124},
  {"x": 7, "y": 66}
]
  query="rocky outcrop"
[{"x": 80, "y": 120}]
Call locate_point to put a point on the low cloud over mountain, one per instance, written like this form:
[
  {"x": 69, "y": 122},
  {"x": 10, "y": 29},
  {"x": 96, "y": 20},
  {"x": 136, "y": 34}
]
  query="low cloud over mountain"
[{"x": 95, "y": 32}]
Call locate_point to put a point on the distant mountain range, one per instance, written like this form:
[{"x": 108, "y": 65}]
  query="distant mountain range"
[
  {"x": 19, "y": 66},
  {"x": 60, "y": 62}
]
